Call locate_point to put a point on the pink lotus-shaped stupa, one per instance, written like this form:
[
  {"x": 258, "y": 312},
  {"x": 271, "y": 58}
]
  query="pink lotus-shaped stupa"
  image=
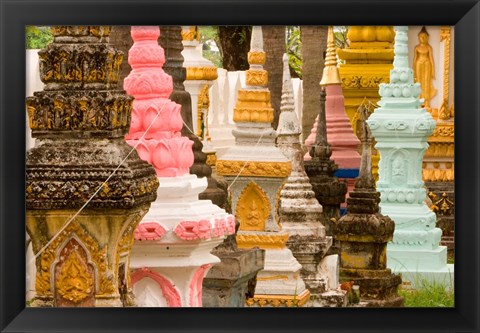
[{"x": 156, "y": 120}]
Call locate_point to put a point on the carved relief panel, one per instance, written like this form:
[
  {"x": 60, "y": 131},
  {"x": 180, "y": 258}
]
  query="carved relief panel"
[{"x": 253, "y": 208}]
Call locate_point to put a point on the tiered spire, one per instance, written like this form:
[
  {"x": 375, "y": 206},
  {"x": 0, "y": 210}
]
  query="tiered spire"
[
  {"x": 171, "y": 254},
  {"x": 299, "y": 212},
  {"x": 255, "y": 170},
  {"x": 401, "y": 129}
]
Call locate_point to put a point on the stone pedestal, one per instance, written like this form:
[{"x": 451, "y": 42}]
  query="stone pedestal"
[
  {"x": 300, "y": 214},
  {"x": 255, "y": 170},
  {"x": 85, "y": 189},
  {"x": 401, "y": 129},
  {"x": 366, "y": 63},
  {"x": 233, "y": 280},
  {"x": 171, "y": 253}
]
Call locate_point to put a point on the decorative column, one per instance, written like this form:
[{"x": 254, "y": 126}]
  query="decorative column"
[
  {"x": 362, "y": 237},
  {"x": 329, "y": 191},
  {"x": 201, "y": 74},
  {"x": 255, "y": 170},
  {"x": 367, "y": 62},
  {"x": 401, "y": 128},
  {"x": 171, "y": 254},
  {"x": 342, "y": 139},
  {"x": 86, "y": 190},
  {"x": 300, "y": 214}
]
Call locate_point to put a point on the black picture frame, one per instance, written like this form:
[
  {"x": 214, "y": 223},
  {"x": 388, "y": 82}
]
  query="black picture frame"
[{"x": 15, "y": 15}]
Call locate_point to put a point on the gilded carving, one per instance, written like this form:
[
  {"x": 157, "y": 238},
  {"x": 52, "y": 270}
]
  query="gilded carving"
[
  {"x": 74, "y": 282},
  {"x": 249, "y": 168},
  {"x": 211, "y": 159},
  {"x": 253, "y": 208},
  {"x": 444, "y": 205},
  {"x": 99, "y": 259},
  {"x": 276, "y": 301},
  {"x": 191, "y": 34},
  {"x": 445, "y": 131},
  {"x": 256, "y": 57},
  {"x": 61, "y": 64},
  {"x": 248, "y": 96},
  {"x": 362, "y": 81},
  {"x": 202, "y": 73},
  {"x": 263, "y": 241},
  {"x": 424, "y": 67},
  {"x": 446, "y": 111},
  {"x": 63, "y": 112},
  {"x": 72, "y": 192},
  {"x": 257, "y": 77},
  {"x": 203, "y": 104},
  {"x": 254, "y": 115}
]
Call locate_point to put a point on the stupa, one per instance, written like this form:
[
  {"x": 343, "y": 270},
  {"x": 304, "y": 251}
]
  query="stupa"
[
  {"x": 86, "y": 188},
  {"x": 226, "y": 283},
  {"x": 300, "y": 214},
  {"x": 171, "y": 253},
  {"x": 255, "y": 170},
  {"x": 329, "y": 191},
  {"x": 401, "y": 128},
  {"x": 342, "y": 139},
  {"x": 362, "y": 235}
]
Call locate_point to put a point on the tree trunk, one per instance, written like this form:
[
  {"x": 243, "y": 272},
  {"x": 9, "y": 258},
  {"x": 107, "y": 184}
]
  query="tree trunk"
[
  {"x": 121, "y": 38},
  {"x": 314, "y": 46},
  {"x": 234, "y": 44},
  {"x": 274, "y": 46}
]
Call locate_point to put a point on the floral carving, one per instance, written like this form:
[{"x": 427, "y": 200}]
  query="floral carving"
[{"x": 356, "y": 81}]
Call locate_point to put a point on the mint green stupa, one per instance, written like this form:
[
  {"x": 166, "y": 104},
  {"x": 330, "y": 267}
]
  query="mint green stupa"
[{"x": 401, "y": 129}]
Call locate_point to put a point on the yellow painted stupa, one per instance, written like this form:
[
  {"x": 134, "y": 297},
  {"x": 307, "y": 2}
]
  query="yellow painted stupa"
[{"x": 256, "y": 170}]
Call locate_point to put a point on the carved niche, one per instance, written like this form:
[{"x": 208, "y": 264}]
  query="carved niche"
[{"x": 253, "y": 208}]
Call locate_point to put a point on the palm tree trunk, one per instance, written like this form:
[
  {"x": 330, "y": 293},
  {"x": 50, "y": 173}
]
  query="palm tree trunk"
[
  {"x": 234, "y": 44},
  {"x": 274, "y": 46},
  {"x": 314, "y": 46}
]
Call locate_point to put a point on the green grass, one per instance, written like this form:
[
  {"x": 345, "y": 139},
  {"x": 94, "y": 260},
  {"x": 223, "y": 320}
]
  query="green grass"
[{"x": 430, "y": 295}]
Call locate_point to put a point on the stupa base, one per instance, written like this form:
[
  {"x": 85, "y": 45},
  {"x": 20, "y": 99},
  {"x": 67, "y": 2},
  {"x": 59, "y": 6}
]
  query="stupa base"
[
  {"x": 378, "y": 288},
  {"x": 227, "y": 283},
  {"x": 330, "y": 299},
  {"x": 419, "y": 266}
]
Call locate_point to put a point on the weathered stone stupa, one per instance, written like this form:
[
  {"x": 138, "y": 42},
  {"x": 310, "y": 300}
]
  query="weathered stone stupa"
[
  {"x": 86, "y": 188},
  {"x": 171, "y": 254},
  {"x": 401, "y": 128},
  {"x": 255, "y": 170},
  {"x": 300, "y": 214},
  {"x": 362, "y": 237},
  {"x": 342, "y": 139},
  {"x": 227, "y": 283},
  {"x": 329, "y": 191}
]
